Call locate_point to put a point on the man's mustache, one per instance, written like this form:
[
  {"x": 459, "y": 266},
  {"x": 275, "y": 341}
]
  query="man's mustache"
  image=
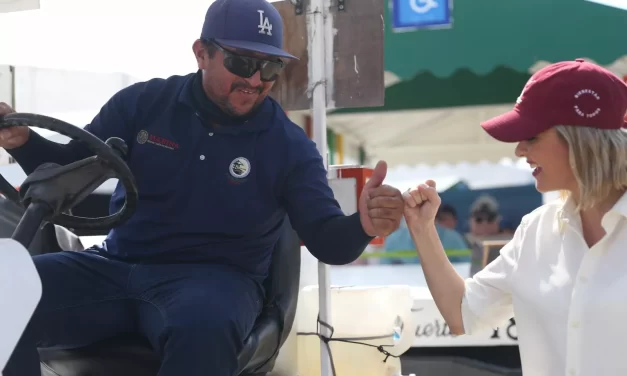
[{"x": 240, "y": 86}]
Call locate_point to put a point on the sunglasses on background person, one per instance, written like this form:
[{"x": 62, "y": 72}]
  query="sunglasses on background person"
[
  {"x": 484, "y": 218},
  {"x": 246, "y": 66}
]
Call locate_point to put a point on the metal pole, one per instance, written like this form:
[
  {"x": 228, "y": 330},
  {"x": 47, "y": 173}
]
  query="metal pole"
[{"x": 319, "y": 113}]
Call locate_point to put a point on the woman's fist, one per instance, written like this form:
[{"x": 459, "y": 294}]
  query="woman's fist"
[{"x": 421, "y": 204}]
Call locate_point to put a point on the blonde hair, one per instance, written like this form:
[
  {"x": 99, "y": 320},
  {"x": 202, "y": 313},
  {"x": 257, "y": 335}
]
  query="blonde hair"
[{"x": 598, "y": 158}]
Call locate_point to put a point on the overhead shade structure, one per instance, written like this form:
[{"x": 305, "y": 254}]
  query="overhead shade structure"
[
  {"x": 444, "y": 82},
  {"x": 427, "y": 136},
  {"x": 475, "y": 176}
]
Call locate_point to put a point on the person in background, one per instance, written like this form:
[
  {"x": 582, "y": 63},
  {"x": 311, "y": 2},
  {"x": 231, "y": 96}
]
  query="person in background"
[
  {"x": 508, "y": 228},
  {"x": 447, "y": 216},
  {"x": 484, "y": 217},
  {"x": 400, "y": 240},
  {"x": 484, "y": 223},
  {"x": 453, "y": 242},
  {"x": 563, "y": 275}
]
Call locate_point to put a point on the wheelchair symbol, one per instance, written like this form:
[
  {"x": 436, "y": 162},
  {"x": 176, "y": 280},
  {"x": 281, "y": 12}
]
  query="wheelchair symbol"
[{"x": 422, "y": 6}]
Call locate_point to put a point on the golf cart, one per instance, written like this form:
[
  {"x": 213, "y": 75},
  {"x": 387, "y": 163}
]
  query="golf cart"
[{"x": 44, "y": 201}]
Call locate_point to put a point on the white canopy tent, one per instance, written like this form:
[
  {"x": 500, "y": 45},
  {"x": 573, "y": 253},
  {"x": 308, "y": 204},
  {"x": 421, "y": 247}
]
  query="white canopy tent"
[
  {"x": 482, "y": 175},
  {"x": 427, "y": 136}
]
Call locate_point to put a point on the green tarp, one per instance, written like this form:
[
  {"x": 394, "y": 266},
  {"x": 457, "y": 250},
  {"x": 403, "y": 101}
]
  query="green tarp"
[{"x": 512, "y": 33}]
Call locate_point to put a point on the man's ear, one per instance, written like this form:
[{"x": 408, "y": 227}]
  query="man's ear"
[{"x": 200, "y": 52}]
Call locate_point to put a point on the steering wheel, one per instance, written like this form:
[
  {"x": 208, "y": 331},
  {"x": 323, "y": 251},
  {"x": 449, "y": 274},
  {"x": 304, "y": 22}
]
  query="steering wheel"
[{"x": 108, "y": 154}]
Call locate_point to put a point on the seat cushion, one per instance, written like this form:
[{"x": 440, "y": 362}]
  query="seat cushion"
[
  {"x": 67, "y": 240},
  {"x": 133, "y": 356},
  {"x": 123, "y": 356}
]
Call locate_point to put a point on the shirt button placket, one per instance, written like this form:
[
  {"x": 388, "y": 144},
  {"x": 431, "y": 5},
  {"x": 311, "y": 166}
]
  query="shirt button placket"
[
  {"x": 575, "y": 344},
  {"x": 573, "y": 336},
  {"x": 202, "y": 156}
]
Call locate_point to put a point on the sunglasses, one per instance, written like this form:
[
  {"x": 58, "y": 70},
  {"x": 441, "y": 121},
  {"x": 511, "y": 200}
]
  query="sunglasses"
[
  {"x": 246, "y": 67},
  {"x": 484, "y": 219}
]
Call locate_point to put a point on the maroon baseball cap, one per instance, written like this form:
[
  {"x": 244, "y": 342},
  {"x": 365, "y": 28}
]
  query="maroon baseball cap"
[{"x": 565, "y": 93}]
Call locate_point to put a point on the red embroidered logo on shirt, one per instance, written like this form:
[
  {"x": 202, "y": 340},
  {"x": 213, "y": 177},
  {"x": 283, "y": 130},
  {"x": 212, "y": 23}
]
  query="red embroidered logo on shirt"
[{"x": 145, "y": 137}]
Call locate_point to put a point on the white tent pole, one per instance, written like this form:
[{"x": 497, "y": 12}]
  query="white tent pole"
[{"x": 319, "y": 114}]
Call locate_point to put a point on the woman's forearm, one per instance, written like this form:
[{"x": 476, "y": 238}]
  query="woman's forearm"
[{"x": 445, "y": 284}]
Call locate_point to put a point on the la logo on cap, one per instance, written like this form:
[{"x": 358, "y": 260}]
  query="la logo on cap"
[{"x": 265, "y": 27}]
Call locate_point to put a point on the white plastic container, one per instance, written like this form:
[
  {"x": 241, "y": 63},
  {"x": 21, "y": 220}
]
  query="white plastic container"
[
  {"x": 287, "y": 360},
  {"x": 376, "y": 315}
]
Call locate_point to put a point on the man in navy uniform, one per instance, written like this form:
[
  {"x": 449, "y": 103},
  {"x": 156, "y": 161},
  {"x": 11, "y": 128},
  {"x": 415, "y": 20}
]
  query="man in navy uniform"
[{"x": 218, "y": 165}]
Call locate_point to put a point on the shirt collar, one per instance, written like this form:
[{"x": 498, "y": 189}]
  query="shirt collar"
[
  {"x": 621, "y": 205},
  {"x": 567, "y": 213}
]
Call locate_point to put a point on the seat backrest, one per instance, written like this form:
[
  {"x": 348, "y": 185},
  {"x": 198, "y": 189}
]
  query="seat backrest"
[{"x": 282, "y": 284}]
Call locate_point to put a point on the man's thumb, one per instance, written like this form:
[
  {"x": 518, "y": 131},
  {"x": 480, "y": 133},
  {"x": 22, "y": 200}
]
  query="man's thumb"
[{"x": 378, "y": 175}]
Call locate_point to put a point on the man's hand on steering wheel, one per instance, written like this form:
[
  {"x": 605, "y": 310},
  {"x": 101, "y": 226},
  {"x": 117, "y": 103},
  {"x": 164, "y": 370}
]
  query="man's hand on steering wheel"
[
  {"x": 13, "y": 137},
  {"x": 58, "y": 188}
]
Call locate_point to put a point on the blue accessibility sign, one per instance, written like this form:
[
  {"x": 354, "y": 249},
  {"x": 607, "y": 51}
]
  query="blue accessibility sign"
[{"x": 421, "y": 14}]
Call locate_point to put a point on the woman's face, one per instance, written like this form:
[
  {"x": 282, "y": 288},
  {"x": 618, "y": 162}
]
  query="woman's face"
[{"x": 547, "y": 153}]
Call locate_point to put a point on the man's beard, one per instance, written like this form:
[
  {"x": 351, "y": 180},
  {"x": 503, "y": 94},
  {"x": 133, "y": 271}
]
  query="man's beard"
[
  {"x": 229, "y": 109},
  {"x": 223, "y": 102}
]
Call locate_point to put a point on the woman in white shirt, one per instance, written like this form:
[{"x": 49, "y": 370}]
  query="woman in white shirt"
[{"x": 563, "y": 276}]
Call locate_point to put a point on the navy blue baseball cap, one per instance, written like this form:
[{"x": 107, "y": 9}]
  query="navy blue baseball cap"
[{"x": 252, "y": 25}]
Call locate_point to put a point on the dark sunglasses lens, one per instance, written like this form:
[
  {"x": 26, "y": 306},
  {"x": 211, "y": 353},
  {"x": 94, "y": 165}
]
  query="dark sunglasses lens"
[
  {"x": 485, "y": 219},
  {"x": 270, "y": 70},
  {"x": 240, "y": 66},
  {"x": 246, "y": 67}
]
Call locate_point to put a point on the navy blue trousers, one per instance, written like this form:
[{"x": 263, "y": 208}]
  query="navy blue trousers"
[{"x": 196, "y": 316}]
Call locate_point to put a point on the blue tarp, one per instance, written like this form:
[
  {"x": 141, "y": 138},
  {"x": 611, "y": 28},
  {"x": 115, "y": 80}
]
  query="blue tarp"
[{"x": 514, "y": 203}]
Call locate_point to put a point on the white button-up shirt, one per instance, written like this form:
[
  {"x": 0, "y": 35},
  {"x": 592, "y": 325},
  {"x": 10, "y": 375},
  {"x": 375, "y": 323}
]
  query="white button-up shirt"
[{"x": 569, "y": 300}]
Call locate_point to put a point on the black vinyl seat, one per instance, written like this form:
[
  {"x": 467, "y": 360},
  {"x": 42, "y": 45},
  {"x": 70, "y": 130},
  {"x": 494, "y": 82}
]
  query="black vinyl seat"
[{"x": 133, "y": 355}]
